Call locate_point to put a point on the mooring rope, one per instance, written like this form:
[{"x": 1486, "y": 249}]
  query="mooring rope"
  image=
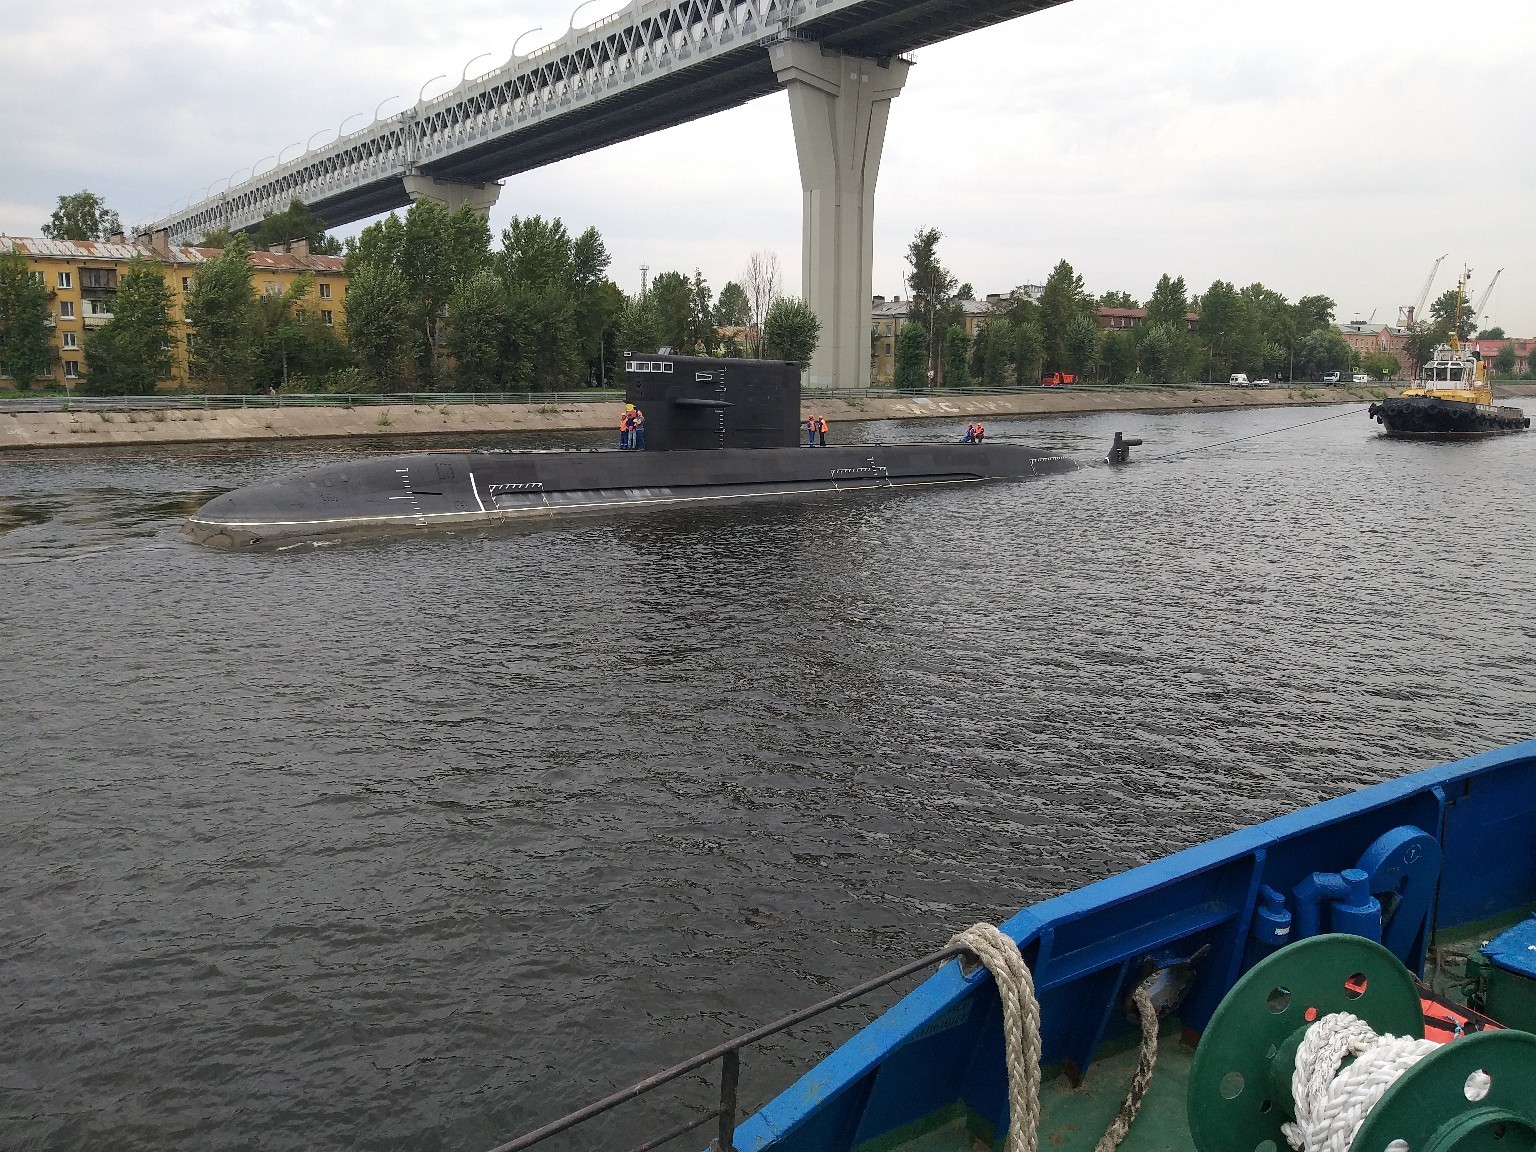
[
  {"x": 1332, "y": 1104},
  {"x": 1254, "y": 436},
  {"x": 1021, "y": 1039}
]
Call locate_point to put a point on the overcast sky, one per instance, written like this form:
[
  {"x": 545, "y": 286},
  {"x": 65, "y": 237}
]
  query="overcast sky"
[{"x": 1334, "y": 147}]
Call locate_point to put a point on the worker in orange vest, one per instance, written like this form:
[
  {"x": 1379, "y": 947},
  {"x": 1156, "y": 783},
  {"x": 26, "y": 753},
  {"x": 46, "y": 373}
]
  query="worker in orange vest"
[
  {"x": 810, "y": 430},
  {"x": 981, "y": 432},
  {"x": 626, "y": 427},
  {"x": 821, "y": 431}
]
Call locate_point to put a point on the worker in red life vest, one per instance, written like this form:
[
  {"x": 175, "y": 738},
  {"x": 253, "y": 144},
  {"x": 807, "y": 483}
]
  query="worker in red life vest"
[
  {"x": 626, "y": 426},
  {"x": 810, "y": 430},
  {"x": 821, "y": 431},
  {"x": 981, "y": 432},
  {"x": 637, "y": 430}
]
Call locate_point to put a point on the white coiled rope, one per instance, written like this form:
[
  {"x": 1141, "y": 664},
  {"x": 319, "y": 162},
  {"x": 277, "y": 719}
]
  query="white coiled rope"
[
  {"x": 1332, "y": 1104},
  {"x": 1021, "y": 1039}
]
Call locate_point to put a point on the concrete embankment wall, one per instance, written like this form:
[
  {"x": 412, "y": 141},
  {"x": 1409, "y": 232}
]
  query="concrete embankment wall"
[{"x": 169, "y": 426}]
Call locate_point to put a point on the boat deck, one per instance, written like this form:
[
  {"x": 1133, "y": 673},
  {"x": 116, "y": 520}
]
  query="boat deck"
[{"x": 1073, "y": 1117}]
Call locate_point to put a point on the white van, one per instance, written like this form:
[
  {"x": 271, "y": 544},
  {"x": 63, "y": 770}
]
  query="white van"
[
  {"x": 1240, "y": 379},
  {"x": 1359, "y": 378}
]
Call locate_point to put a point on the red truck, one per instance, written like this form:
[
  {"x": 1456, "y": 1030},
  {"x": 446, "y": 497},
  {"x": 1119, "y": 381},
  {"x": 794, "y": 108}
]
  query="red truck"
[{"x": 1057, "y": 379}]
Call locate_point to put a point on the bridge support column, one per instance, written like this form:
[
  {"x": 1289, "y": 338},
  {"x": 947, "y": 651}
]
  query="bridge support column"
[
  {"x": 451, "y": 194},
  {"x": 839, "y": 105}
]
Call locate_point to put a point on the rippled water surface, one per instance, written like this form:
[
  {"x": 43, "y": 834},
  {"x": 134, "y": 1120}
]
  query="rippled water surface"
[{"x": 417, "y": 844}]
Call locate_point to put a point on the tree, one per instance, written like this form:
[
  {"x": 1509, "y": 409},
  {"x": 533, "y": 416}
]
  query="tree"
[
  {"x": 702, "y": 339},
  {"x": 82, "y": 216},
  {"x": 1323, "y": 351},
  {"x": 433, "y": 251},
  {"x": 957, "y": 352},
  {"x": 1420, "y": 344},
  {"x": 932, "y": 288},
  {"x": 640, "y": 325},
  {"x": 132, "y": 353},
  {"x": 216, "y": 238},
  {"x": 791, "y": 330},
  {"x": 1169, "y": 303},
  {"x": 25, "y": 349},
  {"x": 297, "y": 222},
  {"x": 1118, "y": 300},
  {"x": 1168, "y": 311},
  {"x": 1381, "y": 365},
  {"x": 220, "y": 311},
  {"x": 1494, "y": 333},
  {"x": 672, "y": 293},
  {"x": 1081, "y": 344},
  {"x": 1028, "y": 352},
  {"x": 761, "y": 282},
  {"x": 910, "y": 373},
  {"x": 379, "y": 326},
  {"x": 732, "y": 308},
  {"x": 478, "y": 322},
  {"x": 996, "y": 343},
  {"x": 1062, "y": 302},
  {"x": 1119, "y": 356},
  {"x": 1504, "y": 361},
  {"x": 294, "y": 348},
  {"x": 598, "y": 303},
  {"x": 1157, "y": 350},
  {"x": 1449, "y": 309},
  {"x": 1223, "y": 325}
]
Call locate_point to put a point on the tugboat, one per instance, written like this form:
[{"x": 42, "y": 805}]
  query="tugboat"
[{"x": 1453, "y": 399}]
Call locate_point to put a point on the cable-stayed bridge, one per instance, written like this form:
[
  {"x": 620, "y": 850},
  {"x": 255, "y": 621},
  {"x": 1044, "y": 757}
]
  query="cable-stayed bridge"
[{"x": 649, "y": 66}]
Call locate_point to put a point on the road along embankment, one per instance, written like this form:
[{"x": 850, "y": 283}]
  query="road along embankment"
[{"x": 77, "y": 428}]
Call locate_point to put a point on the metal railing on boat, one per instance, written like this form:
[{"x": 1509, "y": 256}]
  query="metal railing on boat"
[{"x": 729, "y": 1055}]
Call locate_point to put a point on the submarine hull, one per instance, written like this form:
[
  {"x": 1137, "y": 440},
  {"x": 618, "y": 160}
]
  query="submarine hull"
[{"x": 467, "y": 490}]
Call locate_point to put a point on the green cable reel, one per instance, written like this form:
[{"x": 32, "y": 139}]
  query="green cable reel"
[{"x": 1240, "y": 1083}]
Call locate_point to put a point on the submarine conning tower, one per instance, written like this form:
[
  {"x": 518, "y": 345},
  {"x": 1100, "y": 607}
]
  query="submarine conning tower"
[{"x": 701, "y": 402}]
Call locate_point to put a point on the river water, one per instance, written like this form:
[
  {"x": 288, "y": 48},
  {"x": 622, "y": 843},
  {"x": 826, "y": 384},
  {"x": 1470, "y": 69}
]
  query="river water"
[{"x": 418, "y": 844}]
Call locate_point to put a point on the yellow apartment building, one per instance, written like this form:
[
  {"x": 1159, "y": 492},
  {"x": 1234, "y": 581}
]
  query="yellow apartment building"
[
  {"x": 888, "y": 317},
  {"x": 82, "y": 275}
]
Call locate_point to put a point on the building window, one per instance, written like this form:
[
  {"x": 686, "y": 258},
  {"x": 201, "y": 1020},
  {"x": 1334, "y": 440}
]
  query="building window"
[
  {"x": 325, "y": 291},
  {"x": 186, "y": 283},
  {"x": 100, "y": 307},
  {"x": 70, "y": 340},
  {"x": 272, "y": 288},
  {"x": 66, "y": 307},
  {"x": 71, "y": 369},
  {"x": 98, "y": 278},
  {"x": 37, "y": 277},
  {"x": 327, "y": 317},
  {"x": 887, "y": 347},
  {"x": 66, "y": 279}
]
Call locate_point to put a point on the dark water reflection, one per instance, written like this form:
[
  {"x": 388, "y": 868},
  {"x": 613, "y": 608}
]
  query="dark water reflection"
[{"x": 414, "y": 844}]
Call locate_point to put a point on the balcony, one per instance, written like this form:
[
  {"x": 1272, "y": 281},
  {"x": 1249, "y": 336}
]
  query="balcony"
[{"x": 96, "y": 319}]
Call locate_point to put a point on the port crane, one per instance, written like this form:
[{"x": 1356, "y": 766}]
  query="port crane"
[
  {"x": 1477, "y": 313},
  {"x": 1407, "y": 314}
]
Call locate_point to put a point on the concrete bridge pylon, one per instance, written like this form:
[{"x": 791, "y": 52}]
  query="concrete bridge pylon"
[
  {"x": 452, "y": 194},
  {"x": 839, "y": 105}
]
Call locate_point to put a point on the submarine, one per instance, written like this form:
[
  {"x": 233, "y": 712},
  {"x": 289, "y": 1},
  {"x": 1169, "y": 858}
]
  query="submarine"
[{"x": 716, "y": 430}]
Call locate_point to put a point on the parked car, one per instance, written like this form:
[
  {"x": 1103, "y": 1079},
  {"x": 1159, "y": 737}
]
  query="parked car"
[
  {"x": 1261, "y": 382},
  {"x": 1240, "y": 379},
  {"x": 1330, "y": 377}
]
